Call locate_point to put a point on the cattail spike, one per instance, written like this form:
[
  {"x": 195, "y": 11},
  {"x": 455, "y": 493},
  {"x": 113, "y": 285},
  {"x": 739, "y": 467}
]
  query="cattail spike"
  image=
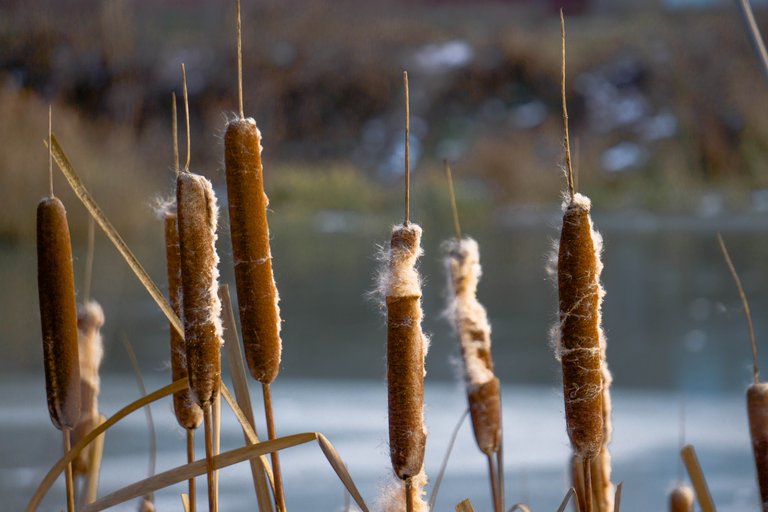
[
  {"x": 407, "y": 151},
  {"x": 186, "y": 115},
  {"x": 175, "y": 133},
  {"x": 452, "y": 194},
  {"x": 50, "y": 151},
  {"x": 745, "y": 304},
  {"x": 239, "y": 63},
  {"x": 568, "y": 165}
]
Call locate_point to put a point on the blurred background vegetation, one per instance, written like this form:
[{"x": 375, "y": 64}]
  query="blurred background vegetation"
[{"x": 666, "y": 101}]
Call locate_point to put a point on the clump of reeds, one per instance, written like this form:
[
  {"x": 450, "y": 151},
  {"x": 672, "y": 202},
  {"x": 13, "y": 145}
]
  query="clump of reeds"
[
  {"x": 90, "y": 319},
  {"x": 757, "y": 394},
  {"x": 681, "y": 499}
]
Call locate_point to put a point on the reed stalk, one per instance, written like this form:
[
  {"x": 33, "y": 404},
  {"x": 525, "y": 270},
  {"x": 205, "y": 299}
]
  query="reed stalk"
[
  {"x": 581, "y": 344},
  {"x": 58, "y": 318},
  {"x": 197, "y": 217},
  {"x": 256, "y": 289}
]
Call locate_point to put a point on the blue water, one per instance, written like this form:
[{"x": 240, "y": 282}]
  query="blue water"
[{"x": 352, "y": 414}]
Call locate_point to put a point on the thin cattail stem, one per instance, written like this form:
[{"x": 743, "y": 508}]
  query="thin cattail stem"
[
  {"x": 50, "y": 152},
  {"x": 500, "y": 472},
  {"x": 175, "y": 133},
  {"x": 70, "y": 485},
  {"x": 90, "y": 487},
  {"x": 587, "y": 485},
  {"x": 408, "y": 489},
  {"x": 271, "y": 434},
  {"x": 688, "y": 453},
  {"x": 745, "y": 304},
  {"x": 239, "y": 63},
  {"x": 754, "y": 34},
  {"x": 568, "y": 165},
  {"x": 493, "y": 477},
  {"x": 186, "y": 114},
  {"x": 452, "y": 194},
  {"x": 444, "y": 464},
  {"x": 89, "y": 260},
  {"x": 217, "y": 434},
  {"x": 68, "y": 473},
  {"x": 407, "y": 151},
  {"x": 190, "y": 460},
  {"x": 213, "y": 501}
]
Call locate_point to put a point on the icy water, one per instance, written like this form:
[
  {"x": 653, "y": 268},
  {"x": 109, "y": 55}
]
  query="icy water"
[
  {"x": 674, "y": 325},
  {"x": 352, "y": 414}
]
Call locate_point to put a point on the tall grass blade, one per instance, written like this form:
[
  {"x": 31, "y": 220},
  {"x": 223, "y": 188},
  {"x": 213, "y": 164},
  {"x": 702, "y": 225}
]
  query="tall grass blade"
[{"x": 90, "y": 204}]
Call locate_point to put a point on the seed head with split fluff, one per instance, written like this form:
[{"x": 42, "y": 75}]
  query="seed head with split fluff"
[
  {"x": 470, "y": 319},
  {"x": 197, "y": 221},
  {"x": 580, "y": 335},
  {"x": 90, "y": 319},
  {"x": 400, "y": 288}
]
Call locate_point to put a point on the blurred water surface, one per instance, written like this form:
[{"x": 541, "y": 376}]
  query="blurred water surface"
[{"x": 674, "y": 325}]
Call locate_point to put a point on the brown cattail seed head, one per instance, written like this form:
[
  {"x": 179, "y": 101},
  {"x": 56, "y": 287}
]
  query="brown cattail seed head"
[
  {"x": 474, "y": 331},
  {"x": 578, "y": 273},
  {"x": 188, "y": 413},
  {"x": 757, "y": 411},
  {"x": 90, "y": 319},
  {"x": 681, "y": 499},
  {"x": 197, "y": 219},
  {"x": 406, "y": 349},
  {"x": 256, "y": 290},
  {"x": 58, "y": 313}
]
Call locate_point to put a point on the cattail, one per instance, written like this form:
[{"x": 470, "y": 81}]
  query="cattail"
[
  {"x": 681, "y": 499},
  {"x": 197, "y": 218},
  {"x": 90, "y": 319},
  {"x": 757, "y": 393},
  {"x": 188, "y": 413},
  {"x": 256, "y": 290},
  {"x": 58, "y": 313},
  {"x": 757, "y": 412},
  {"x": 147, "y": 504},
  {"x": 406, "y": 349},
  {"x": 463, "y": 264},
  {"x": 602, "y": 486},
  {"x": 578, "y": 274}
]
